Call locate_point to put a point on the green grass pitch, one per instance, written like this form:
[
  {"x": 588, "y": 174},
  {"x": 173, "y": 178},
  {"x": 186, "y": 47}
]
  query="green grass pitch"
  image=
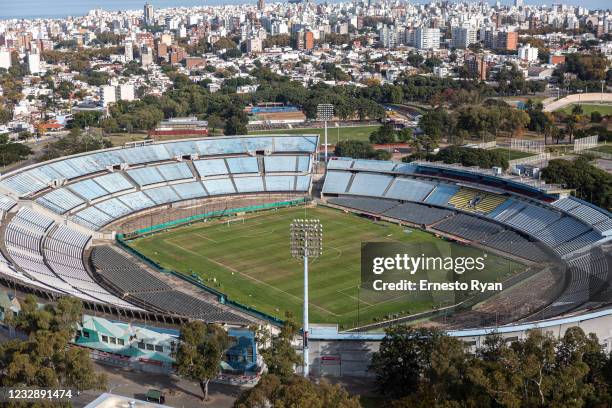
[{"x": 250, "y": 262}]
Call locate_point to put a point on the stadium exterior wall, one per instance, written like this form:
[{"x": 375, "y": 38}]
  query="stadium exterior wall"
[{"x": 340, "y": 354}]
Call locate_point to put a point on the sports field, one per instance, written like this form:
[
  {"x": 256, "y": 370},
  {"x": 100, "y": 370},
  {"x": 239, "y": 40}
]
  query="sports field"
[
  {"x": 588, "y": 108},
  {"x": 334, "y": 134},
  {"x": 513, "y": 154},
  {"x": 249, "y": 260}
]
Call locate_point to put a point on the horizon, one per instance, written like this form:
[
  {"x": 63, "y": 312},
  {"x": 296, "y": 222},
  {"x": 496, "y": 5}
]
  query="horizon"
[{"x": 23, "y": 10}]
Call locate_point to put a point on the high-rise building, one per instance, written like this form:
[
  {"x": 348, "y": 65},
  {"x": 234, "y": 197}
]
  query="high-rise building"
[
  {"x": 518, "y": 3},
  {"x": 146, "y": 55},
  {"x": 128, "y": 51},
  {"x": 5, "y": 58},
  {"x": 254, "y": 44},
  {"x": 108, "y": 95},
  {"x": 166, "y": 38},
  {"x": 507, "y": 40},
  {"x": 388, "y": 37},
  {"x": 149, "y": 14},
  {"x": 427, "y": 38},
  {"x": 34, "y": 62},
  {"x": 528, "y": 53},
  {"x": 463, "y": 37},
  {"x": 477, "y": 66},
  {"x": 261, "y": 4},
  {"x": 126, "y": 92},
  {"x": 304, "y": 40}
]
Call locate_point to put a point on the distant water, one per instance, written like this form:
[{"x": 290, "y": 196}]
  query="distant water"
[{"x": 62, "y": 8}]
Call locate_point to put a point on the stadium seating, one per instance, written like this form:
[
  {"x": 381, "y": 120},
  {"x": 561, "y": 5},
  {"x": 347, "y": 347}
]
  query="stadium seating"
[
  {"x": 249, "y": 184},
  {"x": 587, "y": 275},
  {"x": 281, "y": 164},
  {"x": 441, "y": 194},
  {"x": 146, "y": 175},
  {"x": 188, "y": 191},
  {"x": 370, "y": 184},
  {"x": 88, "y": 189},
  {"x": 370, "y": 205},
  {"x": 279, "y": 183},
  {"x": 53, "y": 261},
  {"x": 114, "y": 182},
  {"x": 136, "y": 201},
  {"x": 162, "y": 195},
  {"x": 142, "y": 287},
  {"x": 471, "y": 200},
  {"x": 336, "y": 182},
  {"x": 37, "y": 178},
  {"x": 583, "y": 226},
  {"x": 408, "y": 189},
  {"x": 211, "y": 167},
  {"x": 239, "y": 165},
  {"x": 60, "y": 201},
  {"x": 417, "y": 213},
  {"x": 468, "y": 227}
]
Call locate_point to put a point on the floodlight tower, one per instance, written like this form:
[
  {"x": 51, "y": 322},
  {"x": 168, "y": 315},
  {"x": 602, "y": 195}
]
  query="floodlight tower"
[
  {"x": 325, "y": 111},
  {"x": 306, "y": 242}
]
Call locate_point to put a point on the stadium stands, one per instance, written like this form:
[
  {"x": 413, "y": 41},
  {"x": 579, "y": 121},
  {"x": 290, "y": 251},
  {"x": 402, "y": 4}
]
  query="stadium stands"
[
  {"x": 475, "y": 201},
  {"x": 370, "y": 205},
  {"x": 468, "y": 227},
  {"x": 418, "y": 213},
  {"x": 54, "y": 259},
  {"x": 568, "y": 226},
  {"x": 37, "y": 178},
  {"x": 141, "y": 287}
]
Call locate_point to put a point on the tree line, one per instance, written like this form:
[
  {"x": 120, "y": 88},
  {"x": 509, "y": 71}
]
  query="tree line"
[{"x": 419, "y": 367}]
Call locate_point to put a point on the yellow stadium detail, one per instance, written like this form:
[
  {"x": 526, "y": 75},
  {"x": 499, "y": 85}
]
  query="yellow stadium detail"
[{"x": 475, "y": 201}]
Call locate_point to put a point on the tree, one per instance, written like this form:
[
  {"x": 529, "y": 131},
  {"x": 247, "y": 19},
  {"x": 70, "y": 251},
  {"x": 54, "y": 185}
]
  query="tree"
[
  {"x": 591, "y": 184},
  {"x": 295, "y": 392},
  {"x": 383, "y": 135},
  {"x": 405, "y": 135},
  {"x": 200, "y": 352},
  {"x": 402, "y": 359},
  {"x": 280, "y": 356},
  {"x": 46, "y": 358},
  {"x": 235, "y": 126}
]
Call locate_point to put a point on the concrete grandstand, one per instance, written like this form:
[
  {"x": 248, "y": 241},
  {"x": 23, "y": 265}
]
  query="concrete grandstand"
[{"x": 59, "y": 220}]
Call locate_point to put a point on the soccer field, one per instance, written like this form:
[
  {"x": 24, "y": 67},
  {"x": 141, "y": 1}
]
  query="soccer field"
[
  {"x": 334, "y": 134},
  {"x": 251, "y": 263}
]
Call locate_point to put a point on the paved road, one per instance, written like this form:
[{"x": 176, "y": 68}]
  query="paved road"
[{"x": 179, "y": 393}]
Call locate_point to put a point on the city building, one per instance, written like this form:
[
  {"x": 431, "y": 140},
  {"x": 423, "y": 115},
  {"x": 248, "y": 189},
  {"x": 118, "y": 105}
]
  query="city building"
[
  {"x": 188, "y": 126},
  {"x": 427, "y": 38},
  {"x": 463, "y": 37},
  {"x": 34, "y": 66},
  {"x": 507, "y": 40},
  {"x": 477, "y": 66},
  {"x": 128, "y": 51},
  {"x": 254, "y": 45},
  {"x": 528, "y": 53},
  {"x": 149, "y": 14},
  {"x": 5, "y": 58}
]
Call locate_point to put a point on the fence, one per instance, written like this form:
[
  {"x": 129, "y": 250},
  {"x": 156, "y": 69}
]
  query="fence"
[
  {"x": 542, "y": 157},
  {"x": 585, "y": 143},
  {"x": 530, "y": 146}
]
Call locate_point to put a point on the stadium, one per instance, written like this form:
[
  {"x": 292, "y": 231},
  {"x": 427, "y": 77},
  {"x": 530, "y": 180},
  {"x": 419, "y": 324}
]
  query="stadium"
[{"x": 164, "y": 232}]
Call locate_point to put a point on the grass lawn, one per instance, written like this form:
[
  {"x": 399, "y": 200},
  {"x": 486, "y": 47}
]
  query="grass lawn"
[
  {"x": 587, "y": 109},
  {"x": 512, "y": 154},
  {"x": 250, "y": 262},
  {"x": 333, "y": 133},
  {"x": 604, "y": 149}
]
